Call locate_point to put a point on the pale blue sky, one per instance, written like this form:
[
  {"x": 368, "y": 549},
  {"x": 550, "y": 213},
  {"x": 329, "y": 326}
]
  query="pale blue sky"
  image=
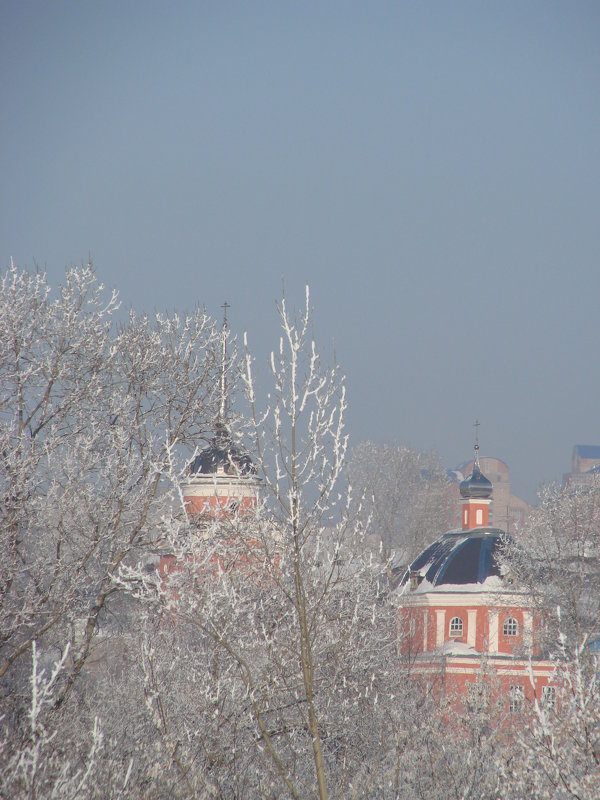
[{"x": 432, "y": 170}]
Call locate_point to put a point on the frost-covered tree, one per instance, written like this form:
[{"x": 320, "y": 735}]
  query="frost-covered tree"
[
  {"x": 277, "y": 626},
  {"x": 35, "y": 766},
  {"x": 555, "y": 755},
  {"x": 91, "y": 415},
  {"x": 404, "y": 495},
  {"x": 556, "y": 557},
  {"x": 450, "y": 743},
  {"x": 338, "y": 634},
  {"x": 260, "y": 660}
]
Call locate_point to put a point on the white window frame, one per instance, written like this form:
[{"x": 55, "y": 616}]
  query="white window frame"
[
  {"x": 510, "y": 627},
  {"x": 456, "y": 627},
  {"x": 516, "y": 699},
  {"x": 549, "y": 696}
]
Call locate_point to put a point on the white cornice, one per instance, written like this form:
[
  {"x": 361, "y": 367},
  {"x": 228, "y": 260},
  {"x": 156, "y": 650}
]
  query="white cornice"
[{"x": 492, "y": 599}]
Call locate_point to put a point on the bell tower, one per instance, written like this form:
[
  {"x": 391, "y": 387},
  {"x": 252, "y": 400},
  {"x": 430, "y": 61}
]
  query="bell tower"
[
  {"x": 476, "y": 493},
  {"x": 222, "y": 479}
]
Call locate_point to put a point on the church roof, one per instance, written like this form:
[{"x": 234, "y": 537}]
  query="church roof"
[
  {"x": 459, "y": 559},
  {"x": 223, "y": 456},
  {"x": 476, "y": 486}
]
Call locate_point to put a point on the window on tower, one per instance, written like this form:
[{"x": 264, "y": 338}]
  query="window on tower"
[
  {"x": 456, "y": 627},
  {"x": 510, "y": 627}
]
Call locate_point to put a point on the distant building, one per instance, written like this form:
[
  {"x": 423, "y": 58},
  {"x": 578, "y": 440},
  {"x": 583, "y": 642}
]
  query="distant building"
[
  {"x": 585, "y": 457},
  {"x": 585, "y": 465}
]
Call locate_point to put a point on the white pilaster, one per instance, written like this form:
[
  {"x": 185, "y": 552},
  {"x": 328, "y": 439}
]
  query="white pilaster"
[
  {"x": 440, "y": 626},
  {"x": 472, "y": 627},
  {"x": 493, "y": 627}
]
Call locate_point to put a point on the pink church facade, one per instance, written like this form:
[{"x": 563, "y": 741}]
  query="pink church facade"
[{"x": 459, "y": 613}]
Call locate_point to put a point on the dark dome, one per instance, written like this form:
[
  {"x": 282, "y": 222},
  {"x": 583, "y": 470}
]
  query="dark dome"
[
  {"x": 476, "y": 486},
  {"x": 222, "y": 454},
  {"x": 461, "y": 557}
]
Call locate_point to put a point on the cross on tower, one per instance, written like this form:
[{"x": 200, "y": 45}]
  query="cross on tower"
[
  {"x": 476, "y": 426},
  {"x": 225, "y": 306}
]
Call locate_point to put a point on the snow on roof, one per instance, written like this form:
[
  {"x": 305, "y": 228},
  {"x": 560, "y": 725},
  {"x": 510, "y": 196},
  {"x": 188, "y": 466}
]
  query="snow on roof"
[{"x": 454, "y": 648}]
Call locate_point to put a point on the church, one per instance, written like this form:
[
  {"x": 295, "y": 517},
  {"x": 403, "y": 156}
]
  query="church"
[{"x": 461, "y": 613}]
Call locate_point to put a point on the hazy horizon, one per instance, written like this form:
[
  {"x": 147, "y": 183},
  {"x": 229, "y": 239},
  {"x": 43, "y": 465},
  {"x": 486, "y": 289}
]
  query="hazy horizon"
[{"x": 432, "y": 171}]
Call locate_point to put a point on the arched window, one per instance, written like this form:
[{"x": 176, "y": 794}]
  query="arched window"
[
  {"x": 511, "y": 627},
  {"x": 456, "y": 626}
]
